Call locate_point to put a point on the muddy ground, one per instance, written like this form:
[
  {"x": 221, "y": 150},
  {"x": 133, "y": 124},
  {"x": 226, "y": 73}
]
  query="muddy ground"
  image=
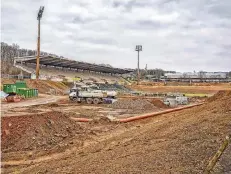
[{"x": 46, "y": 140}]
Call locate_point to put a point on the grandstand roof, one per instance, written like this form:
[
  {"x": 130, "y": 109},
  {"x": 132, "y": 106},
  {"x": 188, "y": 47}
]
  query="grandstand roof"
[{"x": 68, "y": 63}]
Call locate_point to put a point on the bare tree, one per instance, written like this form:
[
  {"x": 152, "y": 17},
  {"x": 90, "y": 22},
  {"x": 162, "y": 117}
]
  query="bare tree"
[{"x": 8, "y": 53}]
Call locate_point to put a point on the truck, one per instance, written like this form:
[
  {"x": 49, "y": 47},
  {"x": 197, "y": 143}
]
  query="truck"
[
  {"x": 86, "y": 95},
  {"x": 182, "y": 100},
  {"x": 110, "y": 94},
  {"x": 174, "y": 101}
]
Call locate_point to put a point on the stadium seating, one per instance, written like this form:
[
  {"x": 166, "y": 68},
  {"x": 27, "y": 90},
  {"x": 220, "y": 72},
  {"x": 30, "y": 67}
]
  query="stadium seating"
[
  {"x": 51, "y": 72},
  {"x": 115, "y": 87}
]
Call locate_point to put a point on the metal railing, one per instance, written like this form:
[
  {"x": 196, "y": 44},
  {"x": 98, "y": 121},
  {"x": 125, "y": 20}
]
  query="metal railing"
[{"x": 7, "y": 76}]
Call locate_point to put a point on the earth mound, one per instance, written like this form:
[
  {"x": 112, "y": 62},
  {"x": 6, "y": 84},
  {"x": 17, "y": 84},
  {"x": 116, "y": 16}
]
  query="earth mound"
[
  {"x": 139, "y": 104},
  {"x": 159, "y": 103},
  {"x": 219, "y": 95},
  {"x": 37, "y": 132}
]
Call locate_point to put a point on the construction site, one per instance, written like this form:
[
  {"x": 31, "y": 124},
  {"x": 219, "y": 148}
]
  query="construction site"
[
  {"x": 134, "y": 131},
  {"x": 63, "y": 115}
]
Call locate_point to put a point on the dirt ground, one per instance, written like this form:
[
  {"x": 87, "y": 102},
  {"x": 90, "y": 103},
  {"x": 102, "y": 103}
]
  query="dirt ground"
[
  {"x": 179, "y": 142},
  {"x": 224, "y": 163},
  {"x": 124, "y": 108},
  {"x": 197, "y": 89}
]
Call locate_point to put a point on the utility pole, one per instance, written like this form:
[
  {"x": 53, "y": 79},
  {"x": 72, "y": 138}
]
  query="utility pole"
[
  {"x": 40, "y": 13},
  {"x": 138, "y": 49}
]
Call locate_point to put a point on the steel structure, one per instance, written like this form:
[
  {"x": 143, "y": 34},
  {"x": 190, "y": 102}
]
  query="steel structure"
[
  {"x": 40, "y": 13},
  {"x": 138, "y": 49},
  {"x": 67, "y": 63}
]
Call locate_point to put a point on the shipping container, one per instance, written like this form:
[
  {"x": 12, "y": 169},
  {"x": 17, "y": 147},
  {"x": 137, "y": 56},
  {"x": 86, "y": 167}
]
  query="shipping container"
[
  {"x": 20, "y": 88},
  {"x": 9, "y": 88},
  {"x": 24, "y": 92},
  {"x": 36, "y": 92},
  {"x": 20, "y": 84},
  {"x": 31, "y": 91}
]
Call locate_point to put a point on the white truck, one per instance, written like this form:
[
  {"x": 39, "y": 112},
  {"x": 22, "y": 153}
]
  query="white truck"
[
  {"x": 84, "y": 94},
  {"x": 182, "y": 100},
  {"x": 110, "y": 94}
]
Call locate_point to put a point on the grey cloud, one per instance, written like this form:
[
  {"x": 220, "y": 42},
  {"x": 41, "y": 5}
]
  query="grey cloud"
[
  {"x": 130, "y": 4},
  {"x": 102, "y": 31},
  {"x": 150, "y": 24},
  {"x": 221, "y": 9},
  {"x": 99, "y": 41}
]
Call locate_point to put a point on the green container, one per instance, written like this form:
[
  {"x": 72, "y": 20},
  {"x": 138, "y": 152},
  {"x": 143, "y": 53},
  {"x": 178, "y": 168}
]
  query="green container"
[
  {"x": 31, "y": 92},
  {"x": 36, "y": 92},
  {"x": 27, "y": 93},
  {"x": 24, "y": 92},
  {"x": 21, "y": 92},
  {"x": 20, "y": 84},
  {"x": 9, "y": 88}
]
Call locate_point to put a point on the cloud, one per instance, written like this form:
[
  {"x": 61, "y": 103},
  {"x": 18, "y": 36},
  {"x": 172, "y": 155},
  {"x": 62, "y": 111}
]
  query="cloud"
[{"x": 181, "y": 35}]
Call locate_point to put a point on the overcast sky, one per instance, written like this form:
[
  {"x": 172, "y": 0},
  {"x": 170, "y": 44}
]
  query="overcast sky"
[{"x": 181, "y": 35}]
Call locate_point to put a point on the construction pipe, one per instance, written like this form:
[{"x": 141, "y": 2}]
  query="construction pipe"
[{"x": 124, "y": 120}]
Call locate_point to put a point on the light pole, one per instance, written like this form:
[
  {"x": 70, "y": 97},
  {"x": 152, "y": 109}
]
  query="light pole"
[
  {"x": 138, "y": 49},
  {"x": 40, "y": 13}
]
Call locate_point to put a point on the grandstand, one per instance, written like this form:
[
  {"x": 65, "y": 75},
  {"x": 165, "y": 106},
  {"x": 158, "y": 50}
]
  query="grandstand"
[
  {"x": 52, "y": 67},
  {"x": 197, "y": 76},
  {"x": 115, "y": 87}
]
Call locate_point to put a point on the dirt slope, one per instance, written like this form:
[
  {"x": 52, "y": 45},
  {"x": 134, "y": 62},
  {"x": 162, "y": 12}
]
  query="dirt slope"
[{"x": 180, "y": 142}]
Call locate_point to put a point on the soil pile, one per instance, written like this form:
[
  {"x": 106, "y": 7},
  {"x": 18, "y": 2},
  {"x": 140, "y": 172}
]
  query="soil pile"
[
  {"x": 220, "y": 95},
  {"x": 219, "y": 103},
  {"x": 138, "y": 104},
  {"x": 45, "y": 86},
  {"x": 158, "y": 103},
  {"x": 42, "y": 131}
]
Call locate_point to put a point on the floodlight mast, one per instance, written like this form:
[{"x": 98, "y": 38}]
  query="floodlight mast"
[
  {"x": 40, "y": 13},
  {"x": 138, "y": 49}
]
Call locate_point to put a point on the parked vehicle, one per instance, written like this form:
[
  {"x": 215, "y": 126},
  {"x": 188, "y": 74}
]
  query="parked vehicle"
[
  {"x": 86, "y": 95},
  {"x": 181, "y": 100}
]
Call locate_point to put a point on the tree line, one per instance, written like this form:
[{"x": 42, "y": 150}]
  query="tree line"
[{"x": 9, "y": 52}]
